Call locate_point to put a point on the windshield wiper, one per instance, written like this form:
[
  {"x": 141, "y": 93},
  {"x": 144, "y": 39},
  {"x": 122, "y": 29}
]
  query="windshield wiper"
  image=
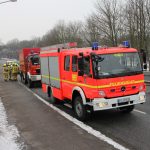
[
  {"x": 130, "y": 73},
  {"x": 110, "y": 75}
]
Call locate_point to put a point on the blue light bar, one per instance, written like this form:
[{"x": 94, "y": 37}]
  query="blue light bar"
[
  {"x": 126, "y": 44},
  {"x": 95, "y": 46}
]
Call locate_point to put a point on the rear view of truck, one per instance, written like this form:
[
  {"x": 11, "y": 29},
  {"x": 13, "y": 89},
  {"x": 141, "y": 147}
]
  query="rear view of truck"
[{"x": 30, "y": 66}]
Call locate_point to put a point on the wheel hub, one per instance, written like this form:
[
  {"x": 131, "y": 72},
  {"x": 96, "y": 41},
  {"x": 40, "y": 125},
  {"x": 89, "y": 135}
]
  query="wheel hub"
[{"x": 79, "y": 109}]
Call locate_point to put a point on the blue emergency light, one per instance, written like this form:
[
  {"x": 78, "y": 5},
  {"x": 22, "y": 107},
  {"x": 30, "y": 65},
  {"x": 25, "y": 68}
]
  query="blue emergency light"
[
  {"x": 95, "y": 46},
  {"x": 126, "y": 44}
]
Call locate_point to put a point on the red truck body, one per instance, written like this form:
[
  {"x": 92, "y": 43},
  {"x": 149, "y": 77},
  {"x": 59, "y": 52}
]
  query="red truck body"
[
  {"x": 29, "y": 65},
  {"x": 93, "y": 80}
]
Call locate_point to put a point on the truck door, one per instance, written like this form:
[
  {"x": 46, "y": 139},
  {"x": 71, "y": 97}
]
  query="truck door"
[
  {"x": 66, "y": 77},
  {"x": 85, "y": 80},
  {"x": 74, "y": 68}
]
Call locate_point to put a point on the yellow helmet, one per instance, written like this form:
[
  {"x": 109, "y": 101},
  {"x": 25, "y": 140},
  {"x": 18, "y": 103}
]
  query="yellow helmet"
[{"x": 4, "y": 65}]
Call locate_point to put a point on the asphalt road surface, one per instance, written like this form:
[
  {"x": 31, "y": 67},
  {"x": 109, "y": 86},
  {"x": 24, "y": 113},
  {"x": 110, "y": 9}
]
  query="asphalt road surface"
[
  {"x": 39, "y": 126},
  {"x": 42, "y": 128}
]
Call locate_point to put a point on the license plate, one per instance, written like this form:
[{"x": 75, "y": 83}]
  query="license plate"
[{"x": 123, "y": 100}]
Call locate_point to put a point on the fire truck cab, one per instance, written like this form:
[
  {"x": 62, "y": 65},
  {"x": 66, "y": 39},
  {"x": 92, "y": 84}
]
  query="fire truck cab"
[
  {"x": 93, "y": 79},
  {"x": 30, "y": 66}
]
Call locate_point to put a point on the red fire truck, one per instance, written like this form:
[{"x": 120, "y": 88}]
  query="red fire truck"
[
  {"x": 30, "y": 66},
  {"x": 93, "y": 79}
]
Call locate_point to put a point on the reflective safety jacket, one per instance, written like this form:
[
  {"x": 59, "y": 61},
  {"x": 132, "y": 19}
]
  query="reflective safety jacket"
[
  {"x": 14, "y": 69},
  {"x": 5, "y": 69}
]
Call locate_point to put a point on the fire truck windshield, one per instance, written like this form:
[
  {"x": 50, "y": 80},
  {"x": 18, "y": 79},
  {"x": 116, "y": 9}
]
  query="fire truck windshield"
[
  {"x": 35, "y": 60},
  {"x": 116, "y": 65}
]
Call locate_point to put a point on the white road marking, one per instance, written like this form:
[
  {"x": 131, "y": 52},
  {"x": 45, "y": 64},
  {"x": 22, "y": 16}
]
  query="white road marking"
[
  {"x": 85, "y": 127},
  {"x": 140, "y": 111},
  {"x": 68, "y": 105},
  {"x": 8, "y": 133}
]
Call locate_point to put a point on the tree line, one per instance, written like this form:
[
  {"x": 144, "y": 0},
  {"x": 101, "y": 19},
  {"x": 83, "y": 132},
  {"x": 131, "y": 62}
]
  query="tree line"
[{"x": 110, "y": 23}]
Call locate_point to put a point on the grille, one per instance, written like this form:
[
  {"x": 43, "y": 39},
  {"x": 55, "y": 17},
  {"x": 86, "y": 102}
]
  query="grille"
[{"x": 125, "y": 103}]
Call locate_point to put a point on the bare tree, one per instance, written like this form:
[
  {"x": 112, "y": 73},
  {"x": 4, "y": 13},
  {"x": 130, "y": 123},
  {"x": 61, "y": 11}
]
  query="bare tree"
[
  {"x": 138, "y": 23},
  {"x": 107, "y": 20},
  {"x": 63, "y": 33},
  {"x": 74, "y": 32},
  {"x": 91, "y": 32}
]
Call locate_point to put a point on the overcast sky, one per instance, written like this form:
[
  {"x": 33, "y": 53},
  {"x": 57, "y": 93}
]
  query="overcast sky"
[{"x": 26, "y": 19}]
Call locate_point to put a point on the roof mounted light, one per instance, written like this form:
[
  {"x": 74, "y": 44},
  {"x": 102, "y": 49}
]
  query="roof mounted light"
[
  {"x": 72, "y": 44},
  {"x": 126, "y": 44},
  {"x": 95, "y": 46}
]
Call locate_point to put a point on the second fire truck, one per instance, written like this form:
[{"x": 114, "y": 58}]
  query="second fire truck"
[
  {"x": 30, "y": 66},
  {"x": 93, "y": 79}
]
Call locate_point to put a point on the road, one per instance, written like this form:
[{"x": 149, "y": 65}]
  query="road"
[{"x": 41, "y": 127}]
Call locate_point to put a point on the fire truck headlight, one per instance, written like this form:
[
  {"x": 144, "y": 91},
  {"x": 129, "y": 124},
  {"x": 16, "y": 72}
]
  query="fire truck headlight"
[
  {"x": 102, "y": 93},
  {"x": 141, "y": 87},
  {"x": 142, "y": 98},
  {"x": 103, "y": 104}
]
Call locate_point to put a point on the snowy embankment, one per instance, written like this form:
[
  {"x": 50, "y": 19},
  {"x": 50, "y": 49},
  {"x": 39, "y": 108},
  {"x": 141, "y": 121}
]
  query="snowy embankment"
[{"x": 8, "y": 133}]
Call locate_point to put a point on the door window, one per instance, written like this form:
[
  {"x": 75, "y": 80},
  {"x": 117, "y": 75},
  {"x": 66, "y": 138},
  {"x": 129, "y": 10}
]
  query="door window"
[
  {"x": 67, "y": 63},
  {"x": 87, "y": 65},
  {"x": 74, "y": 63}
]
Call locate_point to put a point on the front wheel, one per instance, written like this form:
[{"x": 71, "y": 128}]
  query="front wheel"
[
  {"x": 80, "y": 109},
  {"x": 127, "y": 109},
  {"x": 23, "y": 78}
]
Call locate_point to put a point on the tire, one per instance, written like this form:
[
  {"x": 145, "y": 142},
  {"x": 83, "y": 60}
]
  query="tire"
[
  {"x": 30, "y": 83},
  {"x": 23, "y": 78},
  {"x": 26, "y": 79},
  {"x": 80, "y": 109},
  {"x": 127, "y": 109},
  {"x": 52, "y": 99}
]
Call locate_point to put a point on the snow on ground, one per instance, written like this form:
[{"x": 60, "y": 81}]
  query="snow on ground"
[{"x": 8, "y": 133}]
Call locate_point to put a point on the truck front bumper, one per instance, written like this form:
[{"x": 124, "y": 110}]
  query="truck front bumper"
[
  {"x": 104, "y": 104},
  {"x": 35, "y": 77}
]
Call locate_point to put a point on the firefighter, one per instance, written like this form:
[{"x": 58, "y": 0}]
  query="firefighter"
[
  {"x": 5, "y": 72},
  {"x": 14, "y": 71},
  {"x": 10, "y": 71}
]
